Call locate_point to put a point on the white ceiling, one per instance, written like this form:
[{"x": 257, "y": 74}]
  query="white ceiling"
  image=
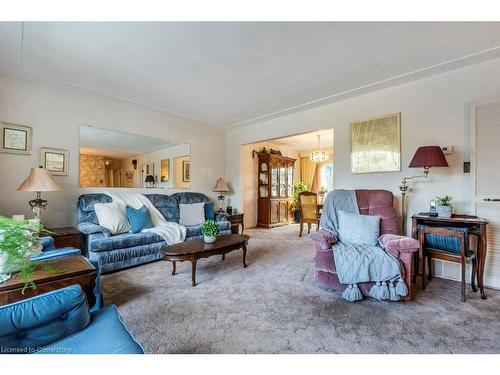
[
  {"x": 109, "y": 143},
  {"x": 232, "y": 73},
  {"x": 307, "y": 141}
]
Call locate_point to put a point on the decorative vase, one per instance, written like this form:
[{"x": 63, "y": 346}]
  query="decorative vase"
[
  {"x": 444, "y": 211},
  {"x": 209, "y": 239}
]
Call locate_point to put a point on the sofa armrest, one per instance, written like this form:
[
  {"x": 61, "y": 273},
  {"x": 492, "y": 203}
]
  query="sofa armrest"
[
  {"x": 55, "y": 253},
  {"x": 395, "y": 244},
  {"x": 47, "y": 243},
  {"x": 90, "y": 228},
  {"x": 221, "y": 216},
  {"x": 324, "y": 238}
]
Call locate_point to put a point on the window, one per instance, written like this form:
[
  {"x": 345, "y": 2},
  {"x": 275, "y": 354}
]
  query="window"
[{"x": 326, "y": 176}]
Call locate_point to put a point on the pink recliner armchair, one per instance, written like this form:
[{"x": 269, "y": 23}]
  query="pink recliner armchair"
[{"x": 370, "y": 202}]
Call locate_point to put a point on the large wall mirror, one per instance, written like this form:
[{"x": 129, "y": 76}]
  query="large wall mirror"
[{"x": 120, "y": 160}]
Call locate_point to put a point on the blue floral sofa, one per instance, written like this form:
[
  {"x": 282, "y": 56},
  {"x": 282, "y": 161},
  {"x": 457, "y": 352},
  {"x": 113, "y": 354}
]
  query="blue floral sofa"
[{"x": 130, "y": 249}]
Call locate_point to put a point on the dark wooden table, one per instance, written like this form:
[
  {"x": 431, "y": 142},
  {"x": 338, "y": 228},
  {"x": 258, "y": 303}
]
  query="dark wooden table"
[
  {"x": 73, "y": 270},
  {"x": 197, "y": 249},
  {"x": 476, "y": 226},
  {"x": 66, "y": 237},
  {"x": 236, "y": 221}
]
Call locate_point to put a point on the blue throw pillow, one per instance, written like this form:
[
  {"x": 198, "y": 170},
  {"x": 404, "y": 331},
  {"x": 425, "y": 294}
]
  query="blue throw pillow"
[
  {"x": 209, "y": 211},
  {"x": 357, "y": 229},
  {"x": 139, "y": 219}
]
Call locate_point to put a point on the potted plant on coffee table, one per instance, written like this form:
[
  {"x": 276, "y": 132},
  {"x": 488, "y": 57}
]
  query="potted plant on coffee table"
[
  {"x": 210, "y": 230},
  {"x": 444, "y": 206},
  {"x": 18, "y": 241}
]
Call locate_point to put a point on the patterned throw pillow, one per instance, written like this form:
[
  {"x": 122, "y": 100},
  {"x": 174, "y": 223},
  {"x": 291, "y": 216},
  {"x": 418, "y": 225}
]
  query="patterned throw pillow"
[
  {"x": 139, "y": 219},
  {"x": 358, "y": 229}
]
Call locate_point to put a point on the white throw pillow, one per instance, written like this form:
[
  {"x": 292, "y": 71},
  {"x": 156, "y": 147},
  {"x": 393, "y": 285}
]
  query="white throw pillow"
[
  {"x": 192, "y": 214},
  {"x": 112, "y": 216}
]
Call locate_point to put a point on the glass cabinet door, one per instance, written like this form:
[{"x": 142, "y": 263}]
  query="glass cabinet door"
[
  {"x": 283, "y": 185},
  {"x": 274, "y": 180},
  {"x": 290, "y": 180}
]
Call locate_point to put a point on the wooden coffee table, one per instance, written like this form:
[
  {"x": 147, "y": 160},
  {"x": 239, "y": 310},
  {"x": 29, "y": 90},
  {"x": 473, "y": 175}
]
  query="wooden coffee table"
[
  {"x": 72, "y": 270},
  {"x": 197, "y": 249}
]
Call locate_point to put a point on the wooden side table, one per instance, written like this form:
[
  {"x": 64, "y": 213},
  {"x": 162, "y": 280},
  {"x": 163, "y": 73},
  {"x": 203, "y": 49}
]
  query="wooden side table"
[
  {"x": 476, "y": 226},
  {"x": 66, "y": 237},
  {"x": 73, "y": 270},
  {"x": 236, "y": 221}
]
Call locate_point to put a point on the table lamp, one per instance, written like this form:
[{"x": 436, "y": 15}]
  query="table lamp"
[
  {"x": 221, "y": 187},
  {"x": 425, "y": 157},
  {"x": 150, "y": 181},
  {"x": 39, "y": 180}
]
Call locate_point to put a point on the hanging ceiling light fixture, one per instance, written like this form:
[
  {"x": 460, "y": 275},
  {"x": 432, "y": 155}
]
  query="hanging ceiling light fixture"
[{"x": 319, "y": 155}]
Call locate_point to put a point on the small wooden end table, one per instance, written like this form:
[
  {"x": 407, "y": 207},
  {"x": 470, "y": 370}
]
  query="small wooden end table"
[
  {"x": 197, "y": 249},
  {"x": 74, "y": 270},
  {"x": 236, "y": 221},
  {"x": 66, "y": 237}
]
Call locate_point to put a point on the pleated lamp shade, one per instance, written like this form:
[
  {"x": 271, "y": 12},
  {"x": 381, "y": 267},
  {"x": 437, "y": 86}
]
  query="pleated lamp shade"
[
  {"x": 221, "y": 186},
  {"x": 39, "y": 179}
]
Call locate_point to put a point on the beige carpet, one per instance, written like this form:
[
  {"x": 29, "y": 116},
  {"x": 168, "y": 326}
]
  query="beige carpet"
[{"x": 273, "y": 306}]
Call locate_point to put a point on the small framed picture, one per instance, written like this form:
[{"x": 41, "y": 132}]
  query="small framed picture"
[
  {"x": 55, "y": 160},
  {"x": 186, "y": 171},
  {"x": 15, "y": 139}
]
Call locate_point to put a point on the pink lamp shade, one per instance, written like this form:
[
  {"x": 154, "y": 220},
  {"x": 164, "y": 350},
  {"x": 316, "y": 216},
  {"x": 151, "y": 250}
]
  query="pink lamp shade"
[
  {"x": 39, "y": 179},
  {"x": 428, "y": 156}
]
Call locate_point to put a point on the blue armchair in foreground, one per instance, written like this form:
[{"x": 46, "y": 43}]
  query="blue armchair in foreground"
[
  {"x": 50, "y": 252},
  {"x": 60, "y": 322}
]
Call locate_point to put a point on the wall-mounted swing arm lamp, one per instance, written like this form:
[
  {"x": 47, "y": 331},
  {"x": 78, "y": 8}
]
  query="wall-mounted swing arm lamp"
[{"x": 426, "y": 157}]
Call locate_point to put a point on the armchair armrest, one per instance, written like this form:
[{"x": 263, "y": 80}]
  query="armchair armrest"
[
  {"x": 221, "y": 216},
  {"x": 47, "y": 243},
  {"x": 55, "y": 253},
  {"x": 90, "y": 228},
  {"x": 395, "y": 244},
  {"x": 324, "y": 238}
]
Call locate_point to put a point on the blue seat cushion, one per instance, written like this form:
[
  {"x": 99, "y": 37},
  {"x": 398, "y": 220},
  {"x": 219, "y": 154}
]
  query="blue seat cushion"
[
  {"x": 124, "y": 240},
  {"x": 195, "y": 230},
  {"x": 106, "y": 334},
  {"x": 446, "y": 243},
  {"x": 139, "y": 219},
  {"x": 43, "y": 319}
]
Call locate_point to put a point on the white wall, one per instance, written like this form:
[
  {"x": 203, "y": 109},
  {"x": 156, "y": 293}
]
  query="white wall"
[
  {"x": 56, "y": 113},
  {"x": 434, "y": 110}
]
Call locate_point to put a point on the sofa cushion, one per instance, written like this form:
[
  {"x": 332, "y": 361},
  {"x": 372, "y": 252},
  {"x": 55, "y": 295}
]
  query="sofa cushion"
[
  {"x": 192, "y": 214},
  {"x": 86, "y": 203},
  {"x": 195, "y": 230},
  {"x": 43, "y": 319},
  {"x": 106, "y": 334},
  {"x": 123, "y": 241},
  {"x": 379, "y": 202},
  {"x": 112, "y": 216},
  {"x": 358, "y": 229},
  {"x": 138, "y": 219},
  {"x": 209, "y": 211},
  {"x": 167, "y": 205}
]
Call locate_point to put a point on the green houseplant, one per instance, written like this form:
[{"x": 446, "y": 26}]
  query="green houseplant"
[
  {"x": 210, "y": 230},
  {"x": 443, "y": 206},
  {"x": 298, "y": 188},
  {"x": 18, "y": 241}
]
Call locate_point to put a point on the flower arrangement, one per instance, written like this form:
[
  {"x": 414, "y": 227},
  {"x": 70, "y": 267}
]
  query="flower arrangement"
[
  {"x": 444, "y": 207},
  {"x": 444, "y": 201},
  {"x": 210, "y": 230},
  {"x": 18, "y": 240}
]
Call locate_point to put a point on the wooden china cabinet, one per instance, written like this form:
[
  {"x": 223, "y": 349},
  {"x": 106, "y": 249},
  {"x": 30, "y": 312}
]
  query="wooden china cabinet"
[{"x": 275, "y": 181}]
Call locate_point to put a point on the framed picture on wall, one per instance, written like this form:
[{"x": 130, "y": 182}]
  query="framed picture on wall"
[
  {"x": 15, "y": 139},
  {"x": 186, "y": 171},
  {"x": 376, "y": 144},
  {"x": 55, "y": 160}
]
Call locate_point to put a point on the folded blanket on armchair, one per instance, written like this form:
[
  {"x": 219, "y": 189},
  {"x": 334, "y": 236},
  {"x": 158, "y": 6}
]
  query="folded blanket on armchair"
[
  {"x": 358, "y": 263},
  {"x": 171, "y": 232}
]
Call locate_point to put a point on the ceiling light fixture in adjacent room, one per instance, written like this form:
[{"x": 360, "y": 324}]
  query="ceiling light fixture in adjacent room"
[{"x": 319, "y": 155}]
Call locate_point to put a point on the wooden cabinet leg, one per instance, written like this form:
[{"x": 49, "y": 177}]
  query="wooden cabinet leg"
[
  {"x": 244, "y": 256},
  {"x": 473, "y": 275},
  {"x": 173, "y": 268}
]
